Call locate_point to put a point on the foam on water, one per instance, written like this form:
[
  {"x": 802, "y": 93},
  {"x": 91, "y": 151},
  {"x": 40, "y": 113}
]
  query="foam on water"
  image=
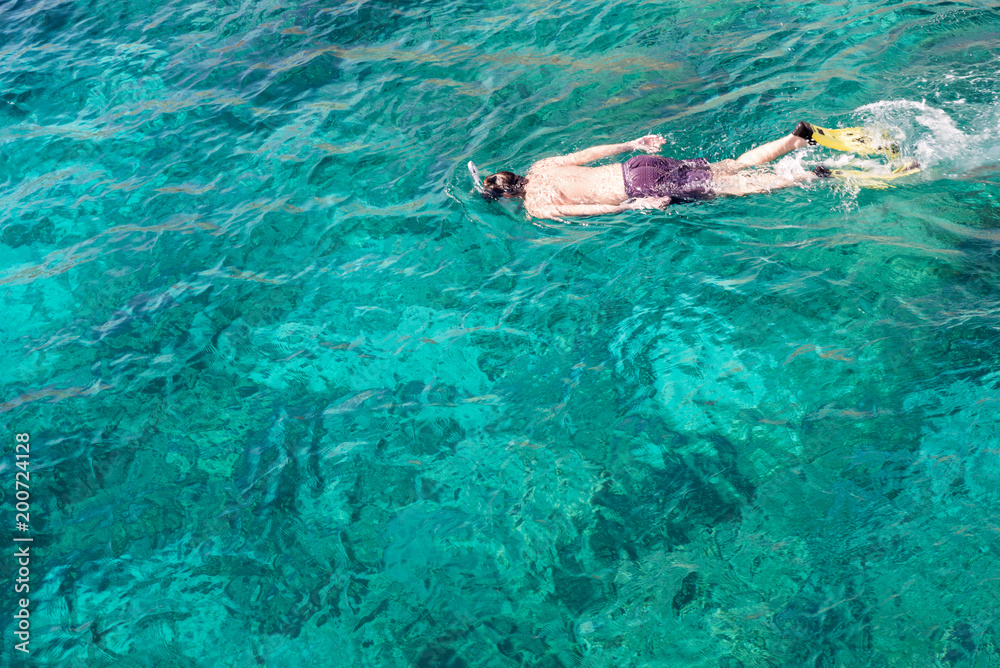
[{"x": 929, "y": 134}]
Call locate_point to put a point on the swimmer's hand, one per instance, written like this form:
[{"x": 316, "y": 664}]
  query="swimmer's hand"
[
  {"x": 651, "y": 203},
  {"x": 648, "y": 144}
]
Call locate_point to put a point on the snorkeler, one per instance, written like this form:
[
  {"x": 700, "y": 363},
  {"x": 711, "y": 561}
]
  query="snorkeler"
[{"x": 563, "y": 186}]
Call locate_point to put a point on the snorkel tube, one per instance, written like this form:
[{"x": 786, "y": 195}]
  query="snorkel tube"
[{"x": 477, "y": 182}]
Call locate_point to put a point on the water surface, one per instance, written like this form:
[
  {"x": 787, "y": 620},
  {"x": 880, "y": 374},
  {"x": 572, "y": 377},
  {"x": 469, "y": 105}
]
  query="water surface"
[{"x": 298, "y": 397}]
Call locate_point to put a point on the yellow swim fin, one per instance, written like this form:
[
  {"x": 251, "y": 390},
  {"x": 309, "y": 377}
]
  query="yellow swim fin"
[
  {"x": 878, "y": 180},
  {"x": 861, "y": 141}
]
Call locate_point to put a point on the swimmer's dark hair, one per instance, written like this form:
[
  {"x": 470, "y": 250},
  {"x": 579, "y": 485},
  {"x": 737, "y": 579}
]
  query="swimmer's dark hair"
[{"x": 504, "y": 184}]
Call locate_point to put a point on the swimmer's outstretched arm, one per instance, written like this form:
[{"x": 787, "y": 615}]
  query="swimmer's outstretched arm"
[
  {"x": 556, "y": 211},
  {"x": 649, "y": 144}
]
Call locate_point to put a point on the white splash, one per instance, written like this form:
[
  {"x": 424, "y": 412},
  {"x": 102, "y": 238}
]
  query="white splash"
[{"x": 928, "y": 134}]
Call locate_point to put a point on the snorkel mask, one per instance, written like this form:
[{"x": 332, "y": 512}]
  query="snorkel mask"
[{"x": 501, "y": 186}]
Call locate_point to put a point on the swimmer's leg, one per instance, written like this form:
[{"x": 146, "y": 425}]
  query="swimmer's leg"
[
  {"x": 772, "y": 150},
  {"x": 726, "y": 167},
  {"x": 756, "y": 181}
]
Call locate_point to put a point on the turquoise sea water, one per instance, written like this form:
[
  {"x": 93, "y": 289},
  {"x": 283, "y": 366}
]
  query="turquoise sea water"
[{"x": 297, "y": 397}]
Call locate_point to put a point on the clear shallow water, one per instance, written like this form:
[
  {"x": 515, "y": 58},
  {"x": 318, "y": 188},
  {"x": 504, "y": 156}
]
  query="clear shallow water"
[{"x": 297, "y": 397}]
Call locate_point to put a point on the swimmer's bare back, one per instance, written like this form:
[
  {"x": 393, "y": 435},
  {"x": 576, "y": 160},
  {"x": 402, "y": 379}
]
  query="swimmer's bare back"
[{"x": 564, "y": 186}]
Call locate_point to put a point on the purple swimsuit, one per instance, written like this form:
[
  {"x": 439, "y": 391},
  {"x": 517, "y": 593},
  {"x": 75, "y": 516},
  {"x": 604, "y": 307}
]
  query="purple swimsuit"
[{"x": 680, "y": 180}]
